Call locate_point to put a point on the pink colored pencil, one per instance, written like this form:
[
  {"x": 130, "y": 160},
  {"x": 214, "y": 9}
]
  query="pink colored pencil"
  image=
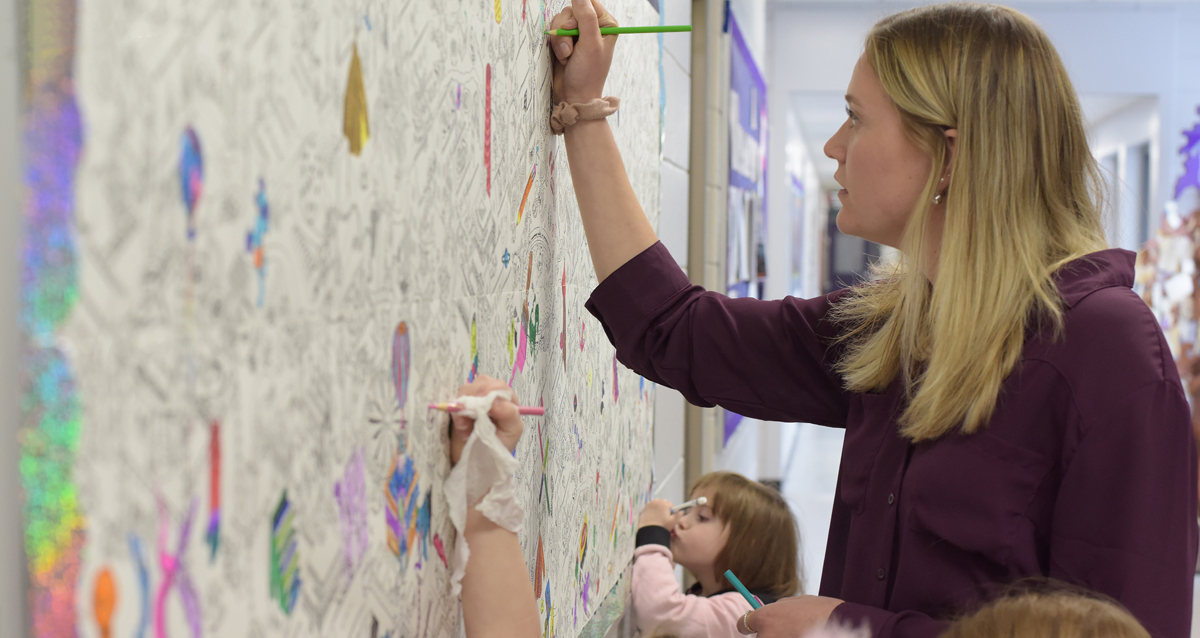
[{"x": 457, "y": 407}]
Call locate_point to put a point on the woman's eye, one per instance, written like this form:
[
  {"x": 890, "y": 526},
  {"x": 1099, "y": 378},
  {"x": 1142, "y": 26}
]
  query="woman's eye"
[{"x": 850, "y": 114}]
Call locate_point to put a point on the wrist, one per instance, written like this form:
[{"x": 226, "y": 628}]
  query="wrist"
[
  {"x": 581, "y": 97},
  {"x": 653, "y": 535},
  {"x": 477, "y": 522}
]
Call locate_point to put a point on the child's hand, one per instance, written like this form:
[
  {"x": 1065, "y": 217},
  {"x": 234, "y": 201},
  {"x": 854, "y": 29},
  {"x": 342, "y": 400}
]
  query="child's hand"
[
  {"x": 658, "y": 512},
  {"x": 581, "y": 66},
  {"x": 503, "y": 413}
]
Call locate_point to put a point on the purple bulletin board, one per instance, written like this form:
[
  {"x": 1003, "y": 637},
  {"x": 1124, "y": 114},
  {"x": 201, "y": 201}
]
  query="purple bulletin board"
[{"x": 747, "y": 219}]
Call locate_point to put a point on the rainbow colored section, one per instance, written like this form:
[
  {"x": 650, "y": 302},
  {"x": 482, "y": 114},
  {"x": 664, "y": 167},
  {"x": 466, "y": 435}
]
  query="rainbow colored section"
[
  {"x": 50, "y": 411},
  {"x": 285, "y": 563}
]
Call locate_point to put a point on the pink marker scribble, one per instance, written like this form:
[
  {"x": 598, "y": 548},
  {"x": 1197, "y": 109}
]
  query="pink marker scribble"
[
  {"x": 175, "y": 574},
  {"x": 441, "y": 550}
]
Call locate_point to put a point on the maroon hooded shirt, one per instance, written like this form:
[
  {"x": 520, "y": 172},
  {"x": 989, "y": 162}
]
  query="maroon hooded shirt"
[{"x": 1086, "y": 471}]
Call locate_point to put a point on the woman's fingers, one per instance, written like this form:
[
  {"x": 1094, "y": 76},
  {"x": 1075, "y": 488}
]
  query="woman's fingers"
[
  {"x": 589, "y": 21},
  {"x": 563, "y": 45},
  {"x": 603, "y": 17}
]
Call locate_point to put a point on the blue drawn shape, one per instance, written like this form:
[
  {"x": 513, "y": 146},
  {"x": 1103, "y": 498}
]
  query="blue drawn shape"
[
  {"x": 401, "y": 359},
  {"x": 135, "y": 548},
  {"x": 191, "y": 177}
]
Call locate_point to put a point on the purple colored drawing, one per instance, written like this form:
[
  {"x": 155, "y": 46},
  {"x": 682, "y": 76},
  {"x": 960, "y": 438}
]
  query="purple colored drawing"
[{"x": 351, "y": 496}]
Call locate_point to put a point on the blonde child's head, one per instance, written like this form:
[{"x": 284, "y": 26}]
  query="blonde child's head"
[
  {"x": 745, "y": 527},
  {"x": 1045, "y": 609}
]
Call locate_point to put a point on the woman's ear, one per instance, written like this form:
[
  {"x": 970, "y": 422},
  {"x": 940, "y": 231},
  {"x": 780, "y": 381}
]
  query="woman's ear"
[{"x": 951, "y": 144}]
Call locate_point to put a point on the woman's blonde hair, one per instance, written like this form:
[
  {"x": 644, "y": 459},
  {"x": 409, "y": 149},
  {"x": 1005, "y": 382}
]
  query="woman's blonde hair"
[
  {"x": 763, "y": 546},
  {"x": 1024, "y": 198},
  {"x": 1049, "y": 614}
]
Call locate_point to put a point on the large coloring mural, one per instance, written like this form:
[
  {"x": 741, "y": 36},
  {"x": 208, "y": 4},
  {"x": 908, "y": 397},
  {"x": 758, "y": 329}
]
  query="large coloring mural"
[{"x": 263, "y": 236}]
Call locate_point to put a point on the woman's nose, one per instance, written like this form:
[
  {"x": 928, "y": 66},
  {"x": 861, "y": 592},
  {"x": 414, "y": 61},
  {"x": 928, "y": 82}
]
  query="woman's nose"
[{"x": 834, "y": 147}]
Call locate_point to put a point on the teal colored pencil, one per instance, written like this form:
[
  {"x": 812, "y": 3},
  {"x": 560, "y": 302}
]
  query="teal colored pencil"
[
  {"x": 619, "y": 30},
  {"x": 742, "y": 589}
]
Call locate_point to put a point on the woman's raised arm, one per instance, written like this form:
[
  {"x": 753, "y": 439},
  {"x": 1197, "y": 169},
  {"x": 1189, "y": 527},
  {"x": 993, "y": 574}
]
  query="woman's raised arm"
[{"x": 616, "y": 227}]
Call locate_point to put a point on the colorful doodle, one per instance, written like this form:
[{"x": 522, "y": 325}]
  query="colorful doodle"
[
  {"x": 139, "y": 560},
  {"x": 487, "y": 119},
  {"x": 408, "y": 516},
  {"x": 351, "y": 496},
  {"x": 522, "y": 350},
  {"x": 355, "y": 122},
  {"x": 474, "y": 352},
  {"x": 1191, "y": 161},
  {"x": 213, "y": 534},
  {"x": 583, "y": 543},
  {"x": 191, "y": 177},
  {"x": 285, "y": 559},
  {"x": 525, "y": 197},
  {"x": 562, "y": 340},
  {"x": 254, "y": 239},
  {"x": 104, "y": 601},
  {"x": 441, "y": 550},
  {"x": 401, "y": 360},
  {"x": 544, "y": 489},
  {"x": 539, "y": 569},
  {"x": 175, "y": 574}
]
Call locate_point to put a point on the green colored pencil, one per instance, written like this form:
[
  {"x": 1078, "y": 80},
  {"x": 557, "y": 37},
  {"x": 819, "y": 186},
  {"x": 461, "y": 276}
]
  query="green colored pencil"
[
  {"x": 750, "y": 598},
  {"x": 618, "y": 30}
]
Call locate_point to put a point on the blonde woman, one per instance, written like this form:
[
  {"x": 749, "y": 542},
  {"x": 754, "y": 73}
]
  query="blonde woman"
[{"x": 1010, "y": 406}]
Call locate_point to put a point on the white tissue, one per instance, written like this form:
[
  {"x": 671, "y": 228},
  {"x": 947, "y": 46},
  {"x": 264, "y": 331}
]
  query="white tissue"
[{"x": 483, "y": 475}]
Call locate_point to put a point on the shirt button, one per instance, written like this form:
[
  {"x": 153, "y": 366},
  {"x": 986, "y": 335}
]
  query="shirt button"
[
  {"x": 891, "y": 498},
  {"x": 880, "y": 574}
]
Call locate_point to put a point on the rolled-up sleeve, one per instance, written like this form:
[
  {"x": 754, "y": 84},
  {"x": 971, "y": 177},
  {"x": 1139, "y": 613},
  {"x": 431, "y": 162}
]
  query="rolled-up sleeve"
[
  {"x": 1125, "y": 523},
  {"x": 763, "y": 359}
]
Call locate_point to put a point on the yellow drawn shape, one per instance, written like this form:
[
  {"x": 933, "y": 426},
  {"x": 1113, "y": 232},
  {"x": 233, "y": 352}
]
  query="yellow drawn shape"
[
  {"x": 355, "y": 125},
  {"x": 497, "y": 11}
]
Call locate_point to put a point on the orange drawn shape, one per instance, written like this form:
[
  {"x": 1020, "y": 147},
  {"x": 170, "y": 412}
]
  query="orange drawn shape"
[
  {"x": 105, "y": 600},
  {"x": 539, "y": 569},
  {"x": 525, "y": 197}
]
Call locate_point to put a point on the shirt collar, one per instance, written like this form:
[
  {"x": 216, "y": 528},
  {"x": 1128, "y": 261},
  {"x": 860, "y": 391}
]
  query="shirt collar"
[{"x": 1094, "y": 271}]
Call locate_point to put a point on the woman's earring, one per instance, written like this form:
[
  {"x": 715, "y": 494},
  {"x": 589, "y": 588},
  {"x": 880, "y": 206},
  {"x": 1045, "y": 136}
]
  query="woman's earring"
[{"x": 937, "y": 199}]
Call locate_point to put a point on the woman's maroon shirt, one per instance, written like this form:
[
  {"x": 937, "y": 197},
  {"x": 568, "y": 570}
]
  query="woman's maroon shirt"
[{"x": 1086, "y": 471}]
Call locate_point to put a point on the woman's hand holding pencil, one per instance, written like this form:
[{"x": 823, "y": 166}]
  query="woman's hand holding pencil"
[{"x": 580, "y": 78}]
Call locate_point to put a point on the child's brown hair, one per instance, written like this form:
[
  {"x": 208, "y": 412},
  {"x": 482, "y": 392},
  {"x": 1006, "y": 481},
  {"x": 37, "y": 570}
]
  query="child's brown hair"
[
  {"x": 763, "y": 547},
  {"x": 1040, "y": 608}
]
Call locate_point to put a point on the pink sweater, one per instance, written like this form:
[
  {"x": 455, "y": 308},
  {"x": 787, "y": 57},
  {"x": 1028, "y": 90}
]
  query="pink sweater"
[{"x": 661, "y": 608}]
